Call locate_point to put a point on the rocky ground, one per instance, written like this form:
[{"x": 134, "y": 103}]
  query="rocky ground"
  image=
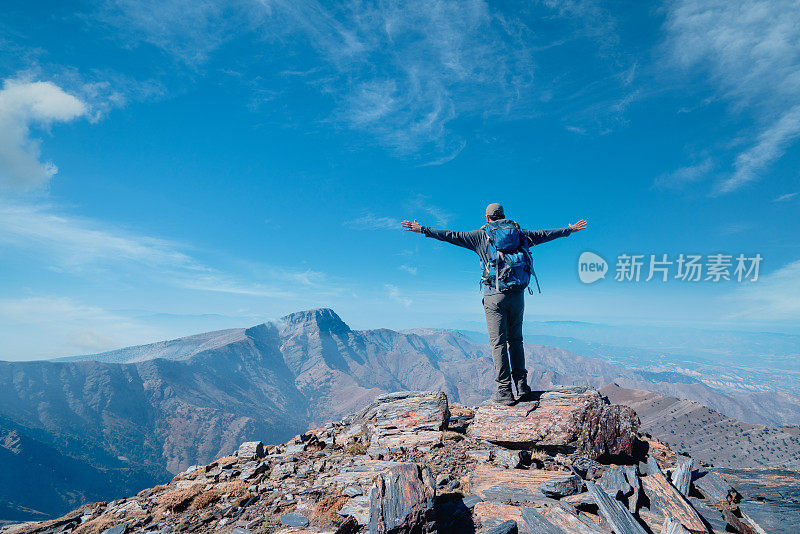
[{"x": 569, "y": 462}]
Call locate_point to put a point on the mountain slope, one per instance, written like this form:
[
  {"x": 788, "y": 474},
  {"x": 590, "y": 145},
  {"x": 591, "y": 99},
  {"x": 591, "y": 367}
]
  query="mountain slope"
[
  {"x": 135, "y": 415},
  {"x": 690, "y": 427}
]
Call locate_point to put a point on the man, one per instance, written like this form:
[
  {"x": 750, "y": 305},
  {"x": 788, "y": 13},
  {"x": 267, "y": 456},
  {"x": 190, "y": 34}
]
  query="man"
[{"x": 503, "y": 290}]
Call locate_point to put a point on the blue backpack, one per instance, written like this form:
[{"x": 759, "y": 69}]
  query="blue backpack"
[{"x": 510, "y": 264}]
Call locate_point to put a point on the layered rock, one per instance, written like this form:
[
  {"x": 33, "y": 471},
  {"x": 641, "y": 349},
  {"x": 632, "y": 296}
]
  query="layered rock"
[
  {"x": 576, "y": 419},
  {"x": 398, "y": 467}
]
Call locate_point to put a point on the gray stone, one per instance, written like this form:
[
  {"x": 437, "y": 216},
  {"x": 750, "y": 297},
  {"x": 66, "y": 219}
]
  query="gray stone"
[
  {"x": 118, "y": 529},
  {"x": 506, "y": 527},
  {"x": 294, "y": 519},
  {"x": 353, "y": 491},
  {"x": 471, "y": 500},
  {"x": 240, "y": 530},
  {"x": 401, "y": 501},
  {"x": 562, "y": 486},
  {"x": 250, "y": 449}
]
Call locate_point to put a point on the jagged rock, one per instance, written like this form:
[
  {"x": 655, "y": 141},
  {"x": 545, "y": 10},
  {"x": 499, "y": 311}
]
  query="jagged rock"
[
  {"x": 578, "y": 419},
  {"x": 716, "y": 490},
  {"x": 118, "y": 529},
  {"x": 615, "y": 483},
  {"x": 357, "y": 508},
  {"x": 616, "y": 516},
  {"x": 566, "y": 519},
  {"x": 250, "y": 449},
  {"x": 587, "y": 469},
  {"x": 509, "y": 459},
  {"x": 406, "y": 419},
  {"x": 353, "y": 491},
  {"x": 506, "y": 527},
  {"x": 561, "y": 486},
  {"x": 528, "y": 519},
  {"x": 681, "y": 476},
  {"x": 673, "y": 527},
  {"x": 401, "y": 501},
  {"x": 294, "y": 519},
  {"x": 669, "y": 501},
  {"x": 471, "y": 500}
]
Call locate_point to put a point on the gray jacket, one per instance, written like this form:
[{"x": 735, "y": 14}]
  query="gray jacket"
[{"x": 478, "y": 242}]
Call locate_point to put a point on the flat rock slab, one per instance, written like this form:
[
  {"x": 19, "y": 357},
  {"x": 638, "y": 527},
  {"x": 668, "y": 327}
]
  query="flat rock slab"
[
  {"x": 406, "y": 419},
  {"x": 294, "y": 519},
  {"x": 529, "y": 520},
  {"x": 512, "y": 485},
  {"x": 567, "y": 519},
  {"x": 401, "y": 501},
  {"x": 579, "y": 419},
  {"x": 669, "y": 501}
]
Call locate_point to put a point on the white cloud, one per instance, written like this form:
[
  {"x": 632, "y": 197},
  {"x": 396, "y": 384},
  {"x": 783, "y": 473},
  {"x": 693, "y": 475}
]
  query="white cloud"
[
  {"x": 685, "y": 175},
  {"x": 369, "y": 221},
  {"x": 772, "y": 143},
  {"x": 397, "y": 296},
  {"x": 70, "y": 327},
  {"x": 77, "y": 245},
  {"x": 410, "y": 269},
  {"x": 773, "y": 297},
  {"x": 440, "y": 215},
  {"x": 787, "y": 197},
  {"x": 24, "y": 104},
  {"x": 749, "y": 50}
]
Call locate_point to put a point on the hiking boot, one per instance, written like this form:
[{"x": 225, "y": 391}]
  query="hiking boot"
[
  {"x": 504, "y": 397},
  {"x": 525, "y": 394}
]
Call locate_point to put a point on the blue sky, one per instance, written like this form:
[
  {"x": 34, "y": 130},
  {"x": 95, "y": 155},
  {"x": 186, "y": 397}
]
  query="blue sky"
[{"x": 179, "y": 166}]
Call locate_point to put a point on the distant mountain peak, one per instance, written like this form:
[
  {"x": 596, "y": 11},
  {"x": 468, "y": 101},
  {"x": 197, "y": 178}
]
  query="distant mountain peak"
[{"x": 322, "y": 319}]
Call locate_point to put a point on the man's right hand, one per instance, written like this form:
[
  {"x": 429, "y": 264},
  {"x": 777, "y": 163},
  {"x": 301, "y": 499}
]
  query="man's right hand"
[{"x": 412, "y": 226}]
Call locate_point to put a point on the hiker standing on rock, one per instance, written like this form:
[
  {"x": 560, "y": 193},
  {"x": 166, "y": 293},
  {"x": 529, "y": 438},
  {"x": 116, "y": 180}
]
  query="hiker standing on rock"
[{"x": 507, "y": 268}]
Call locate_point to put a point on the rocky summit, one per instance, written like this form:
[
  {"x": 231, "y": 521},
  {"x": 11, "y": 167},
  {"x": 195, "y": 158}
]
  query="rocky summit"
[{"x": 568, "y": 462}]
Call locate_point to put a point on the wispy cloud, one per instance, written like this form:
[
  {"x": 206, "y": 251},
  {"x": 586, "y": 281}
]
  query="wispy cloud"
[
  {"x": 772, "y": 143},
  {"x": 684, "y": 176},
  {"x": 71, "y": 327},
  {"x": 772, "y": 298},
  {"x": 749, "y": 50},
  {"x": 787, "y": 197},
  {"x": 369, "y": 221},
  {"x": 410, "y": 269},
  {"x": 83, "y": 246},
  {"x": 422, "y": 204},
  {"x": 398, "y": 296},
  {"x": 24, "y": 104}
]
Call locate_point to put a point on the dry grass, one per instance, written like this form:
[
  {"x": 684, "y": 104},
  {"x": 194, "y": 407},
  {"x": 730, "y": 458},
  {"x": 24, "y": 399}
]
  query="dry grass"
[
  {"x": 325, "y": 509},
  {"x": 452, "y": 436},
  {"x": 235, "y": 490},
  {"x": 179, "y": 499},
  {"x": 538, "y": 454},
  {"x": 148, "y": 492},
  {"x": 355, "y": 449},
  {"x": 205, "y": 499},
  {"x": 97, "y": 525},
  {"x": 226, "y": 460}
]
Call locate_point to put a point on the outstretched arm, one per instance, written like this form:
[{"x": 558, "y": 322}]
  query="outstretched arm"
[
  {"x": 468, "y": 240},
  {"x": 543, "y": 236}
]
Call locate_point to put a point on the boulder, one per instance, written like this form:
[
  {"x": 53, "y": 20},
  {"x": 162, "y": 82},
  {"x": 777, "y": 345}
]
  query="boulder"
[
  {"x": 250, "y": 450},
  {"x": 576, "y": 419},
  {"x": 401, "y": 501},
  {"x": 562, "y": 486},
  {"x": 405, "y": 419}
]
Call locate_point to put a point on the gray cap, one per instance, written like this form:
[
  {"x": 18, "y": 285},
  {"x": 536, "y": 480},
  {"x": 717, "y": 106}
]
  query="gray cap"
[{"x": 495, "y": 211}]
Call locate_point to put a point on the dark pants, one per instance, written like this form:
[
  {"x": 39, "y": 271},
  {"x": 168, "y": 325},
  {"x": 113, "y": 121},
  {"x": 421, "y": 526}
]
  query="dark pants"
[{"x": 504, "y": 320}]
